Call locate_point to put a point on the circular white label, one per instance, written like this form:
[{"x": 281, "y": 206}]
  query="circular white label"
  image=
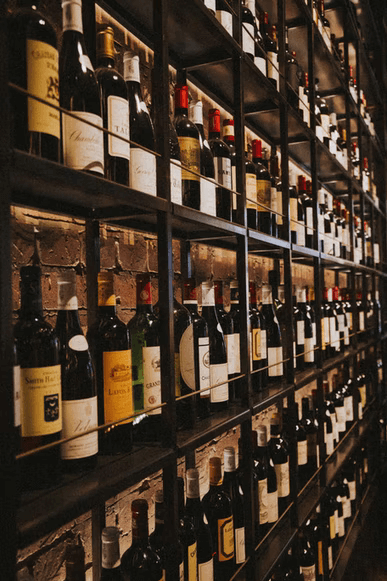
[{"x": 78, "y": 343}]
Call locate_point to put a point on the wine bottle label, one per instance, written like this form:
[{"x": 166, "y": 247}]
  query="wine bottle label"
[
  {"x": 319, "y": 132},
  {"x": 219, "y": 375},
  {"x": 223, "y": 171},
  {"x": 282, "y": 473},
  {"x": 332, "y": 526},
  {"x": 142, "y": 171},
  {"x": 190, "y": 157},
  {"x": 187, "y": 361},
  {"x": 233, "y": 353},
  {"x": 363, "y": 396},
  {"x": 275, "y": 358},
  {"x": 79, "y": 416},
  {"x": 152, "y": 378},
  {"x": 206, "y": 571},
  {"x": 263, "y": 195},
  {"x": 272, "y": 66},
  {"x": 293, "y": 207},
  {"x": 41, "y": 400},
  {"x": 204, "y": 365},
  {"x": 332, "y": 331},
  {"x": 309, "y": 573},
  {"x": 302, "y": 453},
  {"x": 309, "y": 221},
  {"x": 330, "y": 557},
  {"x": 72, "y": 16},
  {"x": 300, "y": 233},
  {"x": 263, "y": 344},
  {"x": 272, "y": 507},
  {"x": 117, "y": 385},
  {"x": 260, "y": 63},
  {"x": 329, "y": 443},
  {"x": 240, "y": 550},
  {"x": 348, "y": 404},
  {"x": 352, "y": 490},
  {"x": 341, "y": 319},
  {"x": 320, "y": 558},
  {"x": 327, "y": 326},
  {"x": 256, "y": 344},
  {"x": 82, "y": 143},
  {"x": 346, "y": 508},
  {"x": 210, "y": 4},
  {"x": 78, "y": 343},
  {"x": 192, "y": 562},
  {"x": 226, "y": 547},
  {"x": 263, "y": 501},
  {"x": 361, "y": 321},
  {"x": 248, "y": 44},
  {"x": 225, "y": 19},
  {"x": 300, "y": 332},
  {"x": 325, "y": 123},
  {"x": 309, "y": 352},
  {"x": 131, "y": 70},
  {"x": 251, "y": 191},
  {"x": 16, "y": 396},
  {"x": 207, "y": 196},
  {"x": 175, "y": 175},
  {"x": 340, "y": 418},
  {"x": 341, "y": 531},
  {"x": 43, "y": 82},
  {"x": 118, "y": 122},
  {"x": 337, "y": 518},
  {"x": 181, "y": 571},
  {"x": 376, "y": 253}
]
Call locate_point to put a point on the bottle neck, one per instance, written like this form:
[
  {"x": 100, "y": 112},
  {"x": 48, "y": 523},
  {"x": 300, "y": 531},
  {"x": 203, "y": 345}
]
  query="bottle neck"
[
  {"x": 105, "y": 61},
  {"x": 31, "y": 301},
  {"x": 110, "y": 555},
  {"x": 72, "y": 16},
  {"x": 105, "y": 311}
]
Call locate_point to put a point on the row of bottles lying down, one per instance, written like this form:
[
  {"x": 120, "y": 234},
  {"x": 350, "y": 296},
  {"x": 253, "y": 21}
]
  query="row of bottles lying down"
[
  {"x": 211, "y": 536},
  {"x": 67, "y": 384},
  {"x": 202, "y": 172}
]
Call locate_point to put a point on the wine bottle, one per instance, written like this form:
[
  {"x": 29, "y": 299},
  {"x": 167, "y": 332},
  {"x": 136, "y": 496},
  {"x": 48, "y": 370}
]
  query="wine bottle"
[
  {"x": 189, "y": 142},
  {"x": 257, "y": 338},
  {"x": 222, "y": 163},
  {"x": 115, "y": 109},
  {"x": 145, "y": 337},
  {"x": 170, "y": 554},
  {"x": 325, "y": 417},
  {"x": 194, "y": 511},
  {"x": 110, "y": 347},
  {"x": 79, "y": 393},
  {"x": 110, "y": 548},
  {"x": 142, "y": 170},
  {"x": 273, "y": 336},
  {"x": 271, "y": 49},
  {"x": 75, "y": 561},
  {"x": 218, "y": 508},
  {"x": 315, "y": 533},
  {"x": 279, "y": 455},
  {"x": 310, "y": 423},
  {"x": 251, "y": 189},
  {"x": 40, "y": 380},
  {"x": 201, "y": 343},
  {"x": 267, "y": 482},
  {"x": 35, "y": 126},
  {"x": 233, "y": 342},
  {"x": 299, "y": 324},
  {"x": 79, "y": 93},
  {"x": 140, "y": 562},
  {"x": 224, "y": 15},
  {"x": 302, "y": 449},
  {"x": 187, "y": 536},
  {"x": 234, "y": 491},
  {"x": 248, "y": 27},
  {"x": 307, "y": 559},
  {"x": 263, "y": 189},
  {"x": 218, "y": 355},
  {"x": 308, "y": 328},
  {"x": 207, "y": 167},
  {"x": 184, "y": 365},
  {"x": 229, "y": 139}
]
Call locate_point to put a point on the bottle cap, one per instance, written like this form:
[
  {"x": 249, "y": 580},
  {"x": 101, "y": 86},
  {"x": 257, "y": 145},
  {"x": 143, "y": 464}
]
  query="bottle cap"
[
  {"x": 67, "y": 295},
  {"x": 110, "y": 547},
  {"x": 105, "y": 42},
  {"x": 301, "y": 183},
  {"x": 262, "y": 436},
  {"x": 192, "y": 478},
  {"x": 181, "y": 97},
  {"x": 208, "y": 294},
  {"x": 257, "y": 148},
  {"x": 228, "y": 129},
  {"x": 214, "y": 120},
  {"x": 229, "y": 459},
  {"x": 190, "y": 294},
  {"x": 106, "y": 296},
  {"x": 196, "y": 112},
  {"x": 215, "y": 467},
  {"x": 131, "y": 62}
]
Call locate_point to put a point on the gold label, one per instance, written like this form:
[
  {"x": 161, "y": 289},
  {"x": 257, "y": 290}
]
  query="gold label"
[
  {"x": 190, "y": 157},
  {"x": 320, "y": 558},
  {"x": 332, "y": 526},
  {"x": 225, "y": 539},
  {"x": 263, "y": 194},
  {"x": 117, "y": 382},
  {"x": 192, "y": 562},
  {"x": 43, "y": 81},
  {"x": 256, "y": 345},
  {"x": 41, "y": 401}
]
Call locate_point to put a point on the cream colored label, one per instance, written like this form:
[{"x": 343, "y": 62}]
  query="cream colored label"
[
  {"x": 41, "y": 400},
  {"x": 340, "y": 418},
  {"x": 260, "y": 63},
  {"x": 233, "y": 353},
  {"x": 330, "y": 557},
  {"x": 272, "y": 507},
  {"x": 225, "y": 19},
  {"x": 348, "y": 404},
  {"x": 79, "y": 416},
  {"x": 223, "y": 171},
  {"x": 118, "y": 123},
  {"x": 251, "y": 191},
  {"x": 187, "y": 362},
  {"x": 263, "y": 501},
  {"x": 309, "y": 573},
  {"x": 152, "y": 378},
  {"x": 226, "y": 546},
  {"x": 302, "y": 453},
  {"x": 282, "y": 472},
  {"x": 352, "y": 490},
  {"x": 219, "y": 375},
  {"x": 206, "y": 571},
  {"x": 207, "y": 196},
  {"x": 190, "y": 157},
  {"x": 272, "y": 66},
  {"x": 175, "y": 175},
  {"x": 240, "y": 550},
  {"x": 117, "y": 385},
  {"x": 274, "y": 360},
  {"x": 300, "y": 332},
  {"x": 192, "y": 562},
  {"x": 78, "y": 343},
  {"x": 43, "y": 82},
  {"x": 16, "y": 396},
  {"x": 346, "y": 508},
  {"x": 263, "y": 195},
  {"x": 309, "y": 352},
  {"x": 204, "y": 365},
  {"x": 341, "y": 526},
  {"x": 329, "y": 443},
  {"x": 363, "y": 396},
  {"x": 293, "y": 213},
  {"x": 248, "y": 44},
  {"x": 142, "y": 172},
  {"x": 82, "y": 143}
]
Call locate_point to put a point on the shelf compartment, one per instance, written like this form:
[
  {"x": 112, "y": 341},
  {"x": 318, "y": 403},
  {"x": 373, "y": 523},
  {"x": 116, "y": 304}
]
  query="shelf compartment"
[
  {"x": 193, "y": 225},
  {"x": 270, "y": 396},
  {"x": 261, "y": 243},
  {"x": 43, "y": 511}
]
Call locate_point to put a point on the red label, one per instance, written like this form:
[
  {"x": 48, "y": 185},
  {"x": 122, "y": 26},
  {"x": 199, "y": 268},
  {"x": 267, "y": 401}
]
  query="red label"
[
  {"x": 218, "y": 286},
  {"x": 189, "y": 292},
  {"x": 144, "y": 292},
  {"x": 335, "y": 291}
]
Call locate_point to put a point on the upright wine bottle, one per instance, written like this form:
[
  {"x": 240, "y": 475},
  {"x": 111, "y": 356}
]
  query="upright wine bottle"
[
  {"x": 110, "y": 347},
  {"x": 307, "y": 559},
  {"x": 75, "y": 561},
  {"x": 145, "y": 338},
  {"x": 79, "y": 93},
  {"x": 40, "y": 380},
  {"x": 279, "y": 454},
  {"x": 110, "y": 548},
  {"x": 263, "y": 189},
  {"x": 222, "y": 162},
  {"x": 79, "y": 393},
  {"x": 142, "y": 170},
  {"x": 229, "y": 139},
  {"x": 188, "y": 135},
  {"x": 248, "y": 27},
  {"x": 171, "y": 555},
  {"x": 273, "y": 336},
  {"x": 188, "y": 537},
  {"x": 257, "y": 338},
  {"x": 267, "y": 483},
  {"x": 184, "y": 364},
  {"x": 175, "y": 165},
  {"x": 35, "y": 126},
  {"x": 140, "y": 562},
  {"x": 233, "y": 342},
  {"x": 232, "y": 488},
  {"x": 115, "y": 109}
]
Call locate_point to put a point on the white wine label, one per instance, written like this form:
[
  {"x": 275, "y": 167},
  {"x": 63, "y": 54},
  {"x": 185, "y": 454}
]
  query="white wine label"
[
  {"x": 41, "y": 400},
  {"x": 210, "y": 4},
  {"x": 329, "y": 445},
  {"x": 302, "y": 453},
  {"x": 152, "y": 378},
  {"x": 263, "y": 502},
  {"x": 348, "y": 404},
  {"x": 341, "y": 531},
  {"x": 263, "y": 344},
  {"x": 330, "y": 557},
  {"x": 361, "y": 321},
  {"x": 219, "y": 375},
  {"x": 327, "y": 334},
  {"x": 341, "y": 319},
  {"x": 79, "y": 416},
  {"x": 300, "y": 332},
  {"x": 363, "y": 396},
  {"x": 142, "y": 171},
  {"x": 233, "y": 353},
  {"x": 272, "y": 66},
  {"x": 225, "y": 19},
  {"x": 192, "y": 562},
  {"x": 16, "y": 396},
  {"x": 131, "y": 68},
  {"x": 325, "y": 123},
  {"x": 346, "y": 336},
  {"x": 346, "y": 508},
  {"x": 78, "y": 343},
  {"x": 72, "y": 16},
  {"x": 272, "y": 507},
  {"x": 352, "y": 490},
  {"x": 309, "y": 573},
  {"x": 337, "y": 518},
  {"x": 293, "y": 206},
  {"x": 206, "y": 571},
  {"x": 282, "y": 473},
  {"x": 118, "y": 123},
  {"x": 82, "y": 143},
  {"x": 207, "y": 196},
  {"x": 204, "y": 365},
  {"x": 117, "y": 385},
  {"x": 376, "y": 253},
  {"x": 309, "y": 352},
  {"x": 248, "y": 44},
  {"x": 274, "y": 359},
  {"x": 314, "y": 327},
  {"x": 309, "y": 221},
  {"x": 320, "y": 132},
  {"x": 240, "y": 550},
  {"x": 175, "y": 175},
  {"x": 260, "y": 63},
  {"x": 43, "y": 82},
  {"x": 187, "y": 361},
  {"x": 300, "y": 234},
  {"x": 223, "y": 171},
  {"x": 251, "y": 191},
  {"x": 340, "y": 417}
]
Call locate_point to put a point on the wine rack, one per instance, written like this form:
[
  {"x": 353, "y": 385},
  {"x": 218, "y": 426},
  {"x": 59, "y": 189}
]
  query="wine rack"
[{"x": 184, "y": 34}]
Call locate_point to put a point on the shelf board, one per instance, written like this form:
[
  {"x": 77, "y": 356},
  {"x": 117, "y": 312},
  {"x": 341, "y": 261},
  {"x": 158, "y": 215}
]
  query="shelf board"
[
  {"x": 260, "y": 243},
  {"x": 193, "y": 225},
  {"x": 270, "y": 396},
  {"x": 43, "y": 511}
]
